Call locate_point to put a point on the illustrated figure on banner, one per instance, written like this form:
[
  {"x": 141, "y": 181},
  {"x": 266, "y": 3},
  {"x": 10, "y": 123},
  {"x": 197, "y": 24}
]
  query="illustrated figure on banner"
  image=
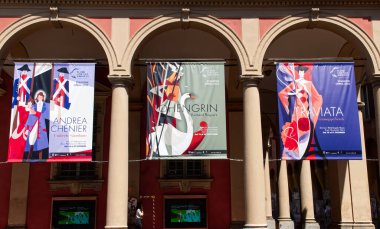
[
  {"x": 302, "y": 103},
  {"x": 167, "y": 110},
  {"x": 35, "y": 128},
  {"x": 61, "y": 91},
  {"x": 21, "y": 94}
]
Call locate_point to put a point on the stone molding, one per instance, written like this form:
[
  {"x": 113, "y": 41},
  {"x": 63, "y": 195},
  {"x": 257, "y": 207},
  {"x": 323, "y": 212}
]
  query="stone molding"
[
  {"x": 185, "y": 185},
  {"x": 195, "y": 3},
  {"x": 75, "y": 186}
]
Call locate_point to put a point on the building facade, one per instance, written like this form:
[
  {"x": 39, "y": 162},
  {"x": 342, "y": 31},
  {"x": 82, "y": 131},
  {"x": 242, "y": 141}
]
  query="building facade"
[{"x": 253, "y": 188}]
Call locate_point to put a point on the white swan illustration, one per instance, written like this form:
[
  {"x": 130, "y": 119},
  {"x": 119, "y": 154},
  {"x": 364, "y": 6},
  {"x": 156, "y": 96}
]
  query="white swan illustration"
[{"x": 168, "y": 135}]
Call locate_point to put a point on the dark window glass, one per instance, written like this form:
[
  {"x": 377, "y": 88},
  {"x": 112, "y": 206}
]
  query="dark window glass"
[{"x": 184, "y": 169}]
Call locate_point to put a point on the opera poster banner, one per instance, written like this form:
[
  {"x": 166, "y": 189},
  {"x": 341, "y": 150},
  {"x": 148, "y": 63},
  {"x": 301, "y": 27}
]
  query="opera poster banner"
[
  {"x": 186, "y": 111},
  {"x": 52, "y": 112},
  {"x": 318, "y": 111}
]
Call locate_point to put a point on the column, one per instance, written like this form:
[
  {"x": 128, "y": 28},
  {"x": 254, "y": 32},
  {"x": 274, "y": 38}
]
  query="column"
[
  {"x": 376, "y": 97},
  {"x": 284, "y": 219},
  {"x": 268, "y": 195},
  {"x": 117, "y": 195},
  {"x": 253, "y": 157},
  {"x": 307, "y": 205}
]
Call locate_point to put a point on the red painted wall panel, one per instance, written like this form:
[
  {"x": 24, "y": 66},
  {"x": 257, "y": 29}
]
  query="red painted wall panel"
[
  {"x": 5, "y": 22},
  {"x": 135, "y": 24},
  {"x": 266, "y": 24},
  {"x": 365, "y": 24},
  {"x": 219, "y": 196},
  {"x": 5, "y": 169},
  {"x": 105, "y": 24},
  {"x": 234, "y": 24},
  {"x": 39, "y": 196}
]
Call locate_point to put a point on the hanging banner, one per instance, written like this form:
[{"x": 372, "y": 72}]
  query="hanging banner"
[
  {"x": 186, "y": 111},
  {"x": 52, "y": 112},
  {"x": 318, "y": 111}
]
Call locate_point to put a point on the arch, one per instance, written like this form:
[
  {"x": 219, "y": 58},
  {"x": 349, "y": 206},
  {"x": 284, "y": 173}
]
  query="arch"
[
  {"x": 82, "y": 22},
  {"x": 208, "y": 21},
  {"x": 338, "y": 22}
]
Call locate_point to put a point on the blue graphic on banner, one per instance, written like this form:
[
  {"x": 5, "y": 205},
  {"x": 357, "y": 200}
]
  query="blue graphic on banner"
[{"x": 318, "y": 113}]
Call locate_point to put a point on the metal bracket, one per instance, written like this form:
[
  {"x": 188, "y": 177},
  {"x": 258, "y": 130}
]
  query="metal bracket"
[
  {"x": 53, "y": 13},
  {"x": 54, "y": 16},
  {"x": 314, "y": 14},
  {"x": 185, "y": 18}
]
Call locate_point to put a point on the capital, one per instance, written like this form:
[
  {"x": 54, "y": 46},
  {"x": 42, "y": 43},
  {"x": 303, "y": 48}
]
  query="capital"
[
  {"x": 121, "y": 81},
  {"x": 361, "y": 105},
  {"x": 375, "y": 81},
  {"x": 251, "y": 80}
]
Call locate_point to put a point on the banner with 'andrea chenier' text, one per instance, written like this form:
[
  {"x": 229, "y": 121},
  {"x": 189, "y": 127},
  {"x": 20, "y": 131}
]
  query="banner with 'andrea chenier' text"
[{"x": 52, "y": 112}]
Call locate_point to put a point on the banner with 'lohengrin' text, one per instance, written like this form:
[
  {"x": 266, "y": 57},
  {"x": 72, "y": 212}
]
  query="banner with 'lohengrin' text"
[
  {"x": 318, "y": 111},
  {"x": 52, "y": 112},
  {"x": 186, "y": 111}
]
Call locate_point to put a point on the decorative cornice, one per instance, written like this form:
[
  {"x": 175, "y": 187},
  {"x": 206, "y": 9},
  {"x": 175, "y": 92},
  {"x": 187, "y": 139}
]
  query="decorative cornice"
[{"x": 193, "y": 3}]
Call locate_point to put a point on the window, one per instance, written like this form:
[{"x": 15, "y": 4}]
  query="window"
[
  {"x": 185, "y": 174},
  {"x": 185, "y": 169},
  {"x": 80, "y": 171}
]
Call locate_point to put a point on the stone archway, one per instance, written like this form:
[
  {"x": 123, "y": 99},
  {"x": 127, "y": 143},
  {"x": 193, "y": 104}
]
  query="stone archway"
[
  {"x": 208, "y": 21},
  {"x": 328, "y": 21},
  {"x": 82, "y": 22}
]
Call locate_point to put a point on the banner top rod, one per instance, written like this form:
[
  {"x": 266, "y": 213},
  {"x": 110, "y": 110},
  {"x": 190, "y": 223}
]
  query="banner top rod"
[
  {"x": 183, "y": 60},
  {"x": 53, "y": 59},
  {"x": 342, "y": 59}
]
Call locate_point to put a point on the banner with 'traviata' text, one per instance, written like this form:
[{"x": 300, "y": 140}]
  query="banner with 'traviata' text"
[{"x": 318, "y": 111}]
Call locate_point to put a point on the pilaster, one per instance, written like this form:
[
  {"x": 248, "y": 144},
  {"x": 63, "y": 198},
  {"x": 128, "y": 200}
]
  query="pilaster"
[{"x": 18, "y": 199}]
